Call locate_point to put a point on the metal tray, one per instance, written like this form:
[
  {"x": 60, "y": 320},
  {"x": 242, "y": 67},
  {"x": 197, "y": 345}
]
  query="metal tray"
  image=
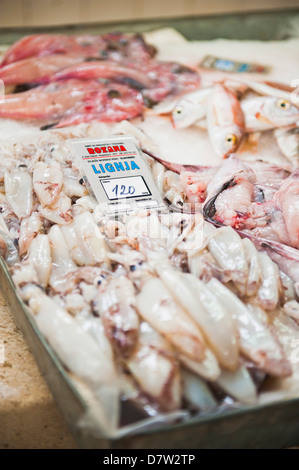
[
  {"x": 271, "y": 426},
  {"x": 274, "y": 425}
]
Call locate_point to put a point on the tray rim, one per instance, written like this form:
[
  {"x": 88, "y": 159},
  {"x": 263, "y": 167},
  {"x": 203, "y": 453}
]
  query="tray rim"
[{"x": 22, "y": 314}]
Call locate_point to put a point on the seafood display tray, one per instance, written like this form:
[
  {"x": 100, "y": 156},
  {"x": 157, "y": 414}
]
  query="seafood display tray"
[{"x": 271, "y": 425}]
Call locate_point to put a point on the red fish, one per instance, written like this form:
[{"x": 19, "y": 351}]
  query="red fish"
[
  {"x": 116, "y": 46},
  {"x": 111, "y": 103},
  {"x": 170, "y": 78},
  {"x": 34, "y": 69},
  {"x": 77, "y": 101},
  {"x": 104, "y": 69}
]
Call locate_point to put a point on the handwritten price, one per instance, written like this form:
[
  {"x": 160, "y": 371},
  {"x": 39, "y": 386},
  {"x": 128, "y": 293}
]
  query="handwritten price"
[{"x": 123, "y": 190}]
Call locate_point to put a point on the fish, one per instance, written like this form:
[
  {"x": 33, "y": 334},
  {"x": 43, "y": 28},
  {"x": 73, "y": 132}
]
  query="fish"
[
  {"x": 35, "y": 70},
  {"x": 226, "y": 123},
  {"x": 113, "y": 103},
  {"x": 41, "y": 45},
  {"x": 267, "y": 112},
  {"x": 118, "y": 46},
  {"x": 190, "y": 108},
  {"x": 175, "y": 167},
  {"x": 44, "y": 102},
  {"x": 103, "y": 69},
  {"x": 235, "y": 197},
  {"x": 273, "y": 89},
  {"x": 73, "y": 101},
  {"x": 171, "y": 79}
]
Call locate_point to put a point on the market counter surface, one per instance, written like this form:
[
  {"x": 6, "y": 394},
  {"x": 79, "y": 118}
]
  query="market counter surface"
[{"x": 29, "y": 418}]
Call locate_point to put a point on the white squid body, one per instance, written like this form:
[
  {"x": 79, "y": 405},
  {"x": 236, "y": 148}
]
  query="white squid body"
[
  {"x": 78, "y": 350},
  {"x": 156, "y": 306},
  {"x": 40, "y": 256},
  {"x": 253, "y": 260},
  {"x": 59, "y": 212},
  {"x": 208, "y": 368},
  {"x": 155, "y": 369},
  {"x": 85, "y": 241},
  {"x": 71, "y": 185},
  {"x": 116, "y": 304},
  {"x": 55, "y": 204},
  {"x": 227, "y": 249},
  {"x": 62, "y": 261},
  {"x": 143, "y": 226},
  {"x": 288, "y": 332},
  {"x": 239, "y": 385},
  {"x": 30, "y": 227},
  {"x": 256, "y": 340},
  {"x": 268, "y": 293},
  {"x": 288, "y": 199},
  {"x": 24, "y": 273},
  {"x": 216, "y": 324},
  {"x": 197, "y": 392},
  {"x": 18, "y": 190},
  {"x": 158, "y": 171},
  {"x": 47, "y": 182}
]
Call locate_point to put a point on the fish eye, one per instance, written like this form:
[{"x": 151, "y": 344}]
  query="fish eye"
[
  {"x": 283, "y": 104},
  {"x": 231, "y": 139},
  {"x": 178, "y": 110}
]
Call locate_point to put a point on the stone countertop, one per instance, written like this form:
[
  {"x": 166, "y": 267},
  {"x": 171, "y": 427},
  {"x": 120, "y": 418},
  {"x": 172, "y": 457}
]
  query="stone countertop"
[{"x": 29, "y": 418}]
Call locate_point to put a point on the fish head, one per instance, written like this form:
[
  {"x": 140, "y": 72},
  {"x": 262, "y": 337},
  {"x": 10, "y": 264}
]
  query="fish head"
[
  {"x": 280, "y": 112},
  {"x": 227, "y": 140},
  {"x": 187, "y": 113}
]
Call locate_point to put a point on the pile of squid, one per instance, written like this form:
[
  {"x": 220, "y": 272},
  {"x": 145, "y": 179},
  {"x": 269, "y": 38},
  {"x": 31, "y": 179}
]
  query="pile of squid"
[
  {"x": 65, "y": 80},
  {"x": 162, "y": 313},
  {"x": 258, "y": 199}
]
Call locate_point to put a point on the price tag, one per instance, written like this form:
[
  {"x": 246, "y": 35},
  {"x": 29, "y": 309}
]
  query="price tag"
[
  {"x": 227, "y": 65},
  {"x": 117, "y": 174}
]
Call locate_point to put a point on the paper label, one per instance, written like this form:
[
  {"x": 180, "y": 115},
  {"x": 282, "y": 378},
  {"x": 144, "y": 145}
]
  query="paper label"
[
  {"x": 226, "y": 65},
  {"x": 117, "y": 174}
]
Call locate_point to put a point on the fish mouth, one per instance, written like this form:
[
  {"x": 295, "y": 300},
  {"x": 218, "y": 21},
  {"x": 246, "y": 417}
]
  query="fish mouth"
[
  {"x": 209, "y": 209},
  {"x": 21, "y": 87},
  {"x": 48, "y": 126}
]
